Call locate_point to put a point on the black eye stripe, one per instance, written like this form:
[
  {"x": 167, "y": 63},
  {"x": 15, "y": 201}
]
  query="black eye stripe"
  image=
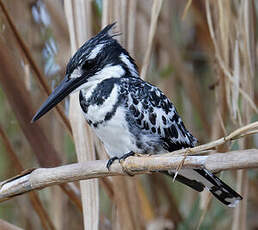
[{"x": 88, "y": 64}]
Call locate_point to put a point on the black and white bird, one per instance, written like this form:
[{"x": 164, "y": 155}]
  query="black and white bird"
[{"x": 128, "y": 114}]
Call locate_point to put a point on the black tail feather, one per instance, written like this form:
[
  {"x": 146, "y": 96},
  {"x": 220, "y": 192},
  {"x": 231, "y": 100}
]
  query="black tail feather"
[
  {"x": 191, "y": 183},
  {"x": 198, "y": 179},
  {"x": 220, "y": 190}
]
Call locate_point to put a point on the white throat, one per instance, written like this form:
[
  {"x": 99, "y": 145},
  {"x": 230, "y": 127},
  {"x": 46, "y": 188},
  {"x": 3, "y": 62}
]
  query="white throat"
[{"x": 107, "y": 72}]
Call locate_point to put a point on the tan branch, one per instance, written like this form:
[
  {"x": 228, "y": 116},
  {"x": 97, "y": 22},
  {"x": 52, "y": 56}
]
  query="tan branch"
[{"x": 44, "y": 177}]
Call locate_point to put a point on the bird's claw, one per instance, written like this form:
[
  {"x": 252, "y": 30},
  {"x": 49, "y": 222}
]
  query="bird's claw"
[
  {"x": 121, "y": 160},
  {"x": 111, "y": 161}
]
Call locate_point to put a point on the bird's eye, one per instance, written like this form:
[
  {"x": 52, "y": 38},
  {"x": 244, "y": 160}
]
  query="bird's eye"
[{"x": 88, "y": 64}]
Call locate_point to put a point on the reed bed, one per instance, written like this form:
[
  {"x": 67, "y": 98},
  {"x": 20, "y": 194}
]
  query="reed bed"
[{"x": 202, "y": 54}]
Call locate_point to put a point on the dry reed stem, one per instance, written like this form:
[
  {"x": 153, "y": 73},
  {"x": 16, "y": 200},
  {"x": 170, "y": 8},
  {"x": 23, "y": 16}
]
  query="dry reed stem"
[
  {"x": 131, "y": 26},
  {"x": 236, "y": 77},
  {"x": 43, "y": 215},
  {"x": 219, "y": 117},
  {"x": 71, "y": 191},
  {"x": 34, "y": 66},
  {"x": 156, "y": 7},
  {"x": 106, "y": 12},
  {"x": 226, "y": 71},
  {"x": 205, "y": 207},
  {"x": 120, "y": 16},
  {"x": 234, "y": 42},
  {"x": 247, "y": 51},
  {"x": 44, "y": 177},
  {"x": 240, "y": 213},
  {"x": 78, "y": 18},
  {"x": 145, "y": 203},
  {"x": 186, "y": 9}
]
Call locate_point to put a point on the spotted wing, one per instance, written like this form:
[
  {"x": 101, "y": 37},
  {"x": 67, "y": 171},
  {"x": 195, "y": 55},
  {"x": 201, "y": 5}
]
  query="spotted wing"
[
  {"x": 152, "y": 115},
  {"x": 156, "y": 116}
]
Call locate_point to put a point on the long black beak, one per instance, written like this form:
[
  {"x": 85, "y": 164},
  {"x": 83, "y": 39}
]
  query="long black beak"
[{"x": 59, "y": 93}]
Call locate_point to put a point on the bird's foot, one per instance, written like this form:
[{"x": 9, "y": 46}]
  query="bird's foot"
[
  {"x": 121, "y": 161},
  {"x": 122, "y": 158},
  {"x": 111, "y": 161}
]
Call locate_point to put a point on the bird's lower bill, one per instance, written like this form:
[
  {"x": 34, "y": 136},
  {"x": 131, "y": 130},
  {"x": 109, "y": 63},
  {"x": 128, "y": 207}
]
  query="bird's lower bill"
[{"x": 67, "y": 86}]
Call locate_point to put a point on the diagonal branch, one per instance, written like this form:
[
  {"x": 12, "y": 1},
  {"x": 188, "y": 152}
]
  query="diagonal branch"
[{"x": 243, "y": 131}]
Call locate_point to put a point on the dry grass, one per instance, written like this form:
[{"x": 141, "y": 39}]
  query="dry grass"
[{"x": 201, "y": 53}]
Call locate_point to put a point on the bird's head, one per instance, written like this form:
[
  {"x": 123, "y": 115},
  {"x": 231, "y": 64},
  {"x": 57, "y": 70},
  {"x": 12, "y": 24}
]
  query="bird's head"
[{"x": 99, "y": 58}]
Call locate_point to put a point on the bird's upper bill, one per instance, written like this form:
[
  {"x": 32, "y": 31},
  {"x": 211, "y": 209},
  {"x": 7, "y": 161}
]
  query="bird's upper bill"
[{"x": 84, "y": 64}]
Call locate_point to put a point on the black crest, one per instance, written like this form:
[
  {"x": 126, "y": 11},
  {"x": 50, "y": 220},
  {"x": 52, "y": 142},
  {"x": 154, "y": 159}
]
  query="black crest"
[{"x": 105, "y": 36}]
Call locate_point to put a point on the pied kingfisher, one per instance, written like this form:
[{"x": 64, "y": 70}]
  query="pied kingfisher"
[{"x": 128, "y": 114}]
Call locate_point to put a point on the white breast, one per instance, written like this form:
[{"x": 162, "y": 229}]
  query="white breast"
[{"x": 115, "y": 135}]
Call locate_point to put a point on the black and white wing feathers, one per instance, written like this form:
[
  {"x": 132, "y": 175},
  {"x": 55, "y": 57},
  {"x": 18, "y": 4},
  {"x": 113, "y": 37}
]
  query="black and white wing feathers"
[
  {"x": 155, "y": 122},
  {"x": 155, "y": 115}
]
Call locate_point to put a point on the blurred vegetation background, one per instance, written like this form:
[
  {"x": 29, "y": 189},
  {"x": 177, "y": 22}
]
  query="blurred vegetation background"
[{"x": 202, "y": 55}]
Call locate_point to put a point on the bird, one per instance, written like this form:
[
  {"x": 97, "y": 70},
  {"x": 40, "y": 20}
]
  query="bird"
[{"x": 128, "y": 114}]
